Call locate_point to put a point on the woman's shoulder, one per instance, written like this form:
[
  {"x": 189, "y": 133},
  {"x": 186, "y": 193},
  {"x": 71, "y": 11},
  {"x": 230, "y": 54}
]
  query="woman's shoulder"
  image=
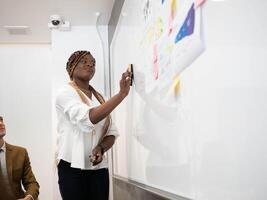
[{"x": 65, "y": 91}]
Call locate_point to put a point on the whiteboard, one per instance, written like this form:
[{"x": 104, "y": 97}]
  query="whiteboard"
[{"x": 206, "y": 141}]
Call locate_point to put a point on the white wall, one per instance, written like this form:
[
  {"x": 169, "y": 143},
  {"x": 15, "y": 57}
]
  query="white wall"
[
  {"x": 25, "y": 103},
  {"x": 30, "y": 77},
  {"x": 65, "y": 43},
  {"x": 218, "y": 149}
]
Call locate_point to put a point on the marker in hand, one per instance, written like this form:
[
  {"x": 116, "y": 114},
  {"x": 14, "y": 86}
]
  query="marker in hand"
[{"x": 130, "y": 69}]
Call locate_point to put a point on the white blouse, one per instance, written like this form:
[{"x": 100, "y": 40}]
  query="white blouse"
[{"x": 77, "y": 135}]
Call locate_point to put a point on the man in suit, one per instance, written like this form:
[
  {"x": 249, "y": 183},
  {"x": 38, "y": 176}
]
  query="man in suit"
[{"x": 15, "y": 171}]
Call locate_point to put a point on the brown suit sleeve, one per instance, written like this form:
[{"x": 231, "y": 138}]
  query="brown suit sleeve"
[{"x": 28, "y": 179}]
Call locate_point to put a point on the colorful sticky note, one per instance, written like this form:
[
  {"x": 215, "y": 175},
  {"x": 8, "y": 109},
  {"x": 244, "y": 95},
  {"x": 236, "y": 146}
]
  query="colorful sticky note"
[
  {"x": 155, "y": 62},
  {"x": 172, "y": 16},
  {"x": 175, "y": 87},
  {"x": 188, "y": 25},
  {"x": 159, "y": 27},
  {"x": 173, "y": 8},
  {"x": 199, "y": 3}
]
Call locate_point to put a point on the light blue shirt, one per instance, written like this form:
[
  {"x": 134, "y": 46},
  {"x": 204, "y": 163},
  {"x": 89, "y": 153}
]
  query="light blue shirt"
[
  {"x": 3, "y": 162},
  {"x": 3, "y": 168}
]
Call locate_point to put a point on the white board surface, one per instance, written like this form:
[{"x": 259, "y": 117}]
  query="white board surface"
[{"x": 209, "y": 141}]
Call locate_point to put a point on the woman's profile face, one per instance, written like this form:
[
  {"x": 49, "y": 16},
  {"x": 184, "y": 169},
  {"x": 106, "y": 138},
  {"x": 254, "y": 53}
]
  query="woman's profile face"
[{"x": 85, "y": 68}]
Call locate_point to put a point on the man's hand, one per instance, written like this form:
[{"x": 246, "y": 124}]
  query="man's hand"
[{"x": 97, "y": 156}]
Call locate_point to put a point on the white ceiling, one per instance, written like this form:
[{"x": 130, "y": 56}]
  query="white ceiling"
[{"x": 36, "y": 13}]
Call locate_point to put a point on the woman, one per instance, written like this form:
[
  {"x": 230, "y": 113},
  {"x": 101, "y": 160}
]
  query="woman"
[{"x": 86, "y": 131}]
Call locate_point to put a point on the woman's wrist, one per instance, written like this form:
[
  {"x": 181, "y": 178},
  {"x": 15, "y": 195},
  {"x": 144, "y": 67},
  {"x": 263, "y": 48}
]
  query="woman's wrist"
[
  {"x": 122, "y": 95},
  {"x": 102, "y": 148}
]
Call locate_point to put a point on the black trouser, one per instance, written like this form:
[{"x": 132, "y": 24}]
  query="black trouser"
[{"x": 77, "y": 184}]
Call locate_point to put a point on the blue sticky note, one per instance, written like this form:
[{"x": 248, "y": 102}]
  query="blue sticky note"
[{"x": 188, "y": 25}]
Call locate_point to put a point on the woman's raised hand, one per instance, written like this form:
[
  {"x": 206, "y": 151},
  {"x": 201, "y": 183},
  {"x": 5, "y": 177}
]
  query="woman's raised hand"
[{"x": 125, "y": 83}]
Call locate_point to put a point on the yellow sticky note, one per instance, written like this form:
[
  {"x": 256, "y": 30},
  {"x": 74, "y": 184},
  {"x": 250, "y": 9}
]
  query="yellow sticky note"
[{"x": 175, "y": 88}]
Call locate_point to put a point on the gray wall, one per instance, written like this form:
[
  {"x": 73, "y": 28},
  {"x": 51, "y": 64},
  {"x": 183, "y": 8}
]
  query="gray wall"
[{"x": 116, "y": 11}]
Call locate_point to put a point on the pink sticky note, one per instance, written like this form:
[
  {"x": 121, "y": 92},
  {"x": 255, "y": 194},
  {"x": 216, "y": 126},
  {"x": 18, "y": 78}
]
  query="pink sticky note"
[
  {"x": 155, "y": 62},
  {"x": 199, "y": 3},
  {"x": 170, "y": 25}
]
